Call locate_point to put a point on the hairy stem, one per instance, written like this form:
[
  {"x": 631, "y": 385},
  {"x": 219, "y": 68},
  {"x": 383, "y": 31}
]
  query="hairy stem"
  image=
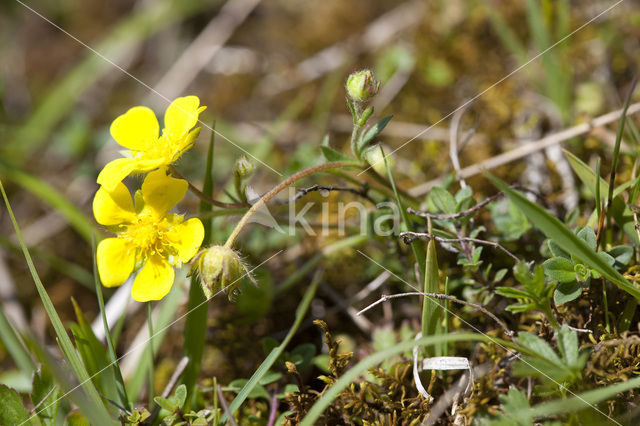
[{"x": 281, "y": 186}]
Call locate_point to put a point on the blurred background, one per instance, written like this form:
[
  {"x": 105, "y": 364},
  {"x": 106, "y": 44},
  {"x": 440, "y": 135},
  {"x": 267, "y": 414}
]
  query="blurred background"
[{"x": 271, "y": 74}]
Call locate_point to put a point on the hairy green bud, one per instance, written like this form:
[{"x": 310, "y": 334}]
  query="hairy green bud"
[
  {"x": 362, "y": 86},
  {"x": 220, "y": 268},
  {"x": 244, "y": 168}
]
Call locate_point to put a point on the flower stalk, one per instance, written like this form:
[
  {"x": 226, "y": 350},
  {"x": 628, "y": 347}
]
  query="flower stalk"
[{"x": 280, "y": 187}]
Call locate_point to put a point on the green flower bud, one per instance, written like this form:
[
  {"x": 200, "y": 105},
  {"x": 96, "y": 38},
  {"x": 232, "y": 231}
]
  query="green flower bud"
[
  {"x": 376, "y": 157},
  {"x": 244, "y": 168},
  {"x": 220, "y": 268},
  {"x": 362, "y": 86}
]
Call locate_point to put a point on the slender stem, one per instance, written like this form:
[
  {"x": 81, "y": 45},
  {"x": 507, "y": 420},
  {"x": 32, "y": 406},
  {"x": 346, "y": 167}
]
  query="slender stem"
[
  {"x": 150, "y": 350},
  {"x": 605, "y": 304},
  {"x": 204, "y": 197},
  {"x": 281, "y": 186},
  {"x": 354, "y": 138},
  {"x": 441, "y": 296}
]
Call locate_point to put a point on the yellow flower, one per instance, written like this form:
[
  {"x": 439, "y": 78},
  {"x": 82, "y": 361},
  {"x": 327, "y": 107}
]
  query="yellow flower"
[
  {"x": 138, "y": 129},
  {"x": 148, "y": 236}
]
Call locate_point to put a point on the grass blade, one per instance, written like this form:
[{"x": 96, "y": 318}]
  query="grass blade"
[
  {"x": 567, "y": 240},
  {"x": 584, "y": 400},
  {"x": 14, "y": 345},
  {"x": 64, "y": 341}
]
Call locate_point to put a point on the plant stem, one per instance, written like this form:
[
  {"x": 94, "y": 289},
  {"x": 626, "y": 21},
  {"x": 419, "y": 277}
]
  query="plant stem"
[
  {"x": 204, "y": 197},
  {"x": 354, "y": 138},
  {"x": 281, "y": 186},
  {"x": 150, "y": 350}
]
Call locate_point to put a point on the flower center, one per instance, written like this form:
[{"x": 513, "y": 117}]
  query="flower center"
[
  {"x": 165, "y": 148},
  {"x": 148, "y": 235}
]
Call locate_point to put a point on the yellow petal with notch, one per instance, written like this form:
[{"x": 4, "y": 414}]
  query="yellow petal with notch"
[
  {"x": 113, "y": 207},
  {"x": 187, "y": 238},
  {"x": 136, "y": 129},
  {"x": 161, "y": 192},
  {"x": 115, "y": 171},
  {"x": 181, "y": 116}
]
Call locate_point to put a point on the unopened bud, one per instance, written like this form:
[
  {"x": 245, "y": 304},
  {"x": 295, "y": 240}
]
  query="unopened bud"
[
  {"x": 362, "y": 86},
  {"x": 220, "y": 269},
  {"x": 376, "y": 157},
  {"x": 244, "y": 167}
]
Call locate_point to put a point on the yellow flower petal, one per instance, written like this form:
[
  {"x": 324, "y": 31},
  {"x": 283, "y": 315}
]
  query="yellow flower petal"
[
  {"x": 136, "y": 129},
  {"x": 116, "y": 261},
  {"x": 181, "y": 116},
  {"x": 161, "y": 192},
  {"x": 116, "y": 170},
  {"x": 154, "y": 280},
  {"x": 115, "y": 207},
  {"x": 187, "y": 238}
]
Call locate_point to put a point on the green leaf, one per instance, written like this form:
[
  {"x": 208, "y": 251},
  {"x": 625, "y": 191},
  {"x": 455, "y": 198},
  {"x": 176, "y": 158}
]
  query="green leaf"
[
  {"x": 165, "y": 403},
  {"x": 258, "y": 391},
  {"x": 569, "y": 242},
  {"x": 568, "y": 346},
  {"x": 509, "y": 221},
  {"x": 332, "y": 155},
  {"x": 13, "y": 411},
  {"x": 271, "y": 376},
  {"x": 443, "y": 200},
  {"x": 559, "y": 269},
  {"x": 586, "y": 175},
  {"x": 44, "y": 396},
  {"x": 513, "y": 293},
  {"x": 268, "y": 344},
  {"x": 515, "y": 407},
  {"x": 539, "y": 347},
  {"x": 556, "y": 250},
  {"x": 566, "y": 292},
  {"x": 587, "y": 235},
  {"x": 500, "y": 274},
  {"x": 621, "y": 254},
  {"x": 305, "y": 352},
  {"x": 532, "y": 282},
  {"x": 374, "y": 131},
  {"x": 180, "y": 395}
]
